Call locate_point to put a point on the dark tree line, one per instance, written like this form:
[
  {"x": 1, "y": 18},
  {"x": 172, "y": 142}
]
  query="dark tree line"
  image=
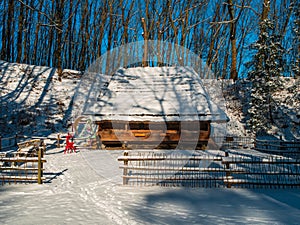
[{"x": 72, "y": 34}]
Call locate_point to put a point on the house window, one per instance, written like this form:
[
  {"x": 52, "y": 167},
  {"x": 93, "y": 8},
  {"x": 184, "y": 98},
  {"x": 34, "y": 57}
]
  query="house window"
[{"x": 204, "y": 126}]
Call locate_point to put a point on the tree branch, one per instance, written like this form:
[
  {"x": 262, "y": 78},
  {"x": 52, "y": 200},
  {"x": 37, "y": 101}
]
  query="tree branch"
[{"x": 52, "y": 22}]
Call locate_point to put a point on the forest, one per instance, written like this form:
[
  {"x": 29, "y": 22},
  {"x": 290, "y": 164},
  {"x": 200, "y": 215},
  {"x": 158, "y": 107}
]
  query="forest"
[{"x": 232, "y": 37}]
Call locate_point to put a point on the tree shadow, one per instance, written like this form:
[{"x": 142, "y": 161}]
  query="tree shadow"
[
  {"x": 217, "y": 206},
  {"x": 24, "y": 106},
  {"x": 52, "y": 176}
]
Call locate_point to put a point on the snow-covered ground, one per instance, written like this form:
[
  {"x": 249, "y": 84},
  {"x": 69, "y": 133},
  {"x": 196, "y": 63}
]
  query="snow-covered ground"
[{"x": 85, "y": 188}]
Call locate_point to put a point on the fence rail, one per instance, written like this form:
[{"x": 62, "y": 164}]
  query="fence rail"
[
  {"x": 227, "y": 142},
  {"x": 279, "y": 147},
  {"x": 167, "y": 169},
  {"x": 15, "y": 169}
]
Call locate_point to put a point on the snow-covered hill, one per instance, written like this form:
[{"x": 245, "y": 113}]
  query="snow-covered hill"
[{"x": 35, "y": 100}]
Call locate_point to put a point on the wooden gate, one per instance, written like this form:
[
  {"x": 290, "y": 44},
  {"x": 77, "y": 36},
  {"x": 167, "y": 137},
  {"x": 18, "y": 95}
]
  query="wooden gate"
[{"x": 16, "y": 168}]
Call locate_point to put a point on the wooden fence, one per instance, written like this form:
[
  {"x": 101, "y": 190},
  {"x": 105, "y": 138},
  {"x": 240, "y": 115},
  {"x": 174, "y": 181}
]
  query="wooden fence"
[
  {"x": 25, "y": 169},
  {"x": 276, "y": 147},
  {"x": 279, "y": 147},
  {"x": 22, "y": 162},
  {"x": 209, "y": 170},
  {"x": 11, "y": 143},
  {"x": 234, "y": 142}
]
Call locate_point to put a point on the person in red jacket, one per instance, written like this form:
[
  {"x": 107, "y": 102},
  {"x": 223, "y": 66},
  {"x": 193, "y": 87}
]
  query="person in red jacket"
[{"x": 69, "y": 144}]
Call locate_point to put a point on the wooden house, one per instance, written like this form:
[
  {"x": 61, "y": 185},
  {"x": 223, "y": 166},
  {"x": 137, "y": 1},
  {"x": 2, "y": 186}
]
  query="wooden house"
[{"x": 155, "y": 107}]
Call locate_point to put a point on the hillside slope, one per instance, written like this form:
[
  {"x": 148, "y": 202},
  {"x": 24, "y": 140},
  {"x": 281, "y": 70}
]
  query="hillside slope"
[{"x": 33, "y": 99}]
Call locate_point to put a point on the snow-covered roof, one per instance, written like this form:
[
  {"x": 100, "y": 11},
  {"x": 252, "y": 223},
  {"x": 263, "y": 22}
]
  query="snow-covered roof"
[{"x": 155, "y": 94}]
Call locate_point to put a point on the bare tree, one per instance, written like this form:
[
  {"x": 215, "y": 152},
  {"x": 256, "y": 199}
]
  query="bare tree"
[
  {"x": 233, "y": 71},
  {"x": 59, "y": 17},
  {"x": 36, "y": 34}
]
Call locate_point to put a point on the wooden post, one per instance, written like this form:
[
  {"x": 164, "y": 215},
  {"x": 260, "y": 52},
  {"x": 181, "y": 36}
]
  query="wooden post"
[
  {"x": 226, "y": 153},
  {"x": 228, "y": 174},
  {"x": 281, "y": 143},
  {"x": 227, "y": 171},
  {"x": 43, "y": 146},
  {"x": 98, "y": 141},
  {"x": 58, "y": 141},
  {"x": 125, "y": 179},
  {"x": 40, "y": 166}
]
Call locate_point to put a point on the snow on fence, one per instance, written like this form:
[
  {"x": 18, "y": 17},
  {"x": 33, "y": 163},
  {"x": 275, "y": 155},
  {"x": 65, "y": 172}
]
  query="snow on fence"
[
  {"x": 209, "y": 169},
  {"x": 25, "y": 168}
]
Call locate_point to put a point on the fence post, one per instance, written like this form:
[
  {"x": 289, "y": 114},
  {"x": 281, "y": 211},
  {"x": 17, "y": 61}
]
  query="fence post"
[
  {"x": 40, "y": 166},
  {"x": 43, "y": 146},
  {"x": 226, "y": 153},
  {"x": 125, "y": 179},
  {"x": 58, "y": 141},
  {"x": 227, "y": 170},
  {"x": 281, "y": 143}
]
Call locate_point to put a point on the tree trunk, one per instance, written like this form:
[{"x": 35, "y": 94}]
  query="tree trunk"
[
  {"x": 20, "y": 34},
  {"x": 9, "y": 35},
  {"x": 110, "y": 35},
  {"x": 59, "y": 30},
  {"x": 36, "y": 34},
  {"x": 233, "y": 71},
  {"x": 146, "y": 36},
  {"x": 3, "y": 46}
]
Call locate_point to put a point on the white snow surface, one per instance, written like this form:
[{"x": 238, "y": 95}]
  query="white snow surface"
[{"x": 85, "y": 188}]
